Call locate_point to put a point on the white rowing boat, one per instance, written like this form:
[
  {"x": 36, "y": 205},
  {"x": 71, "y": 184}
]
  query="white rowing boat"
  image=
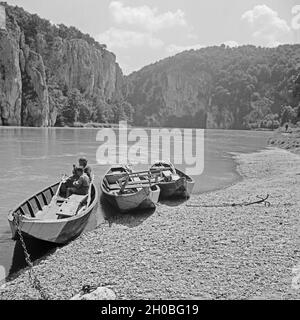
[
  {"x": 173, "y": 183},
  {"x": 127, "y": 190},
  {"x": 48, "y": 217}
]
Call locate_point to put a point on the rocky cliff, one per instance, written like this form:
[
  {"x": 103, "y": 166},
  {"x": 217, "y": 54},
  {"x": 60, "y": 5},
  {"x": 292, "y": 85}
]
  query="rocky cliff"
[
  {"x": 167, "y": 95},
  {"x": 218, "y": 87},
  {"x": 38, "y": 60}
]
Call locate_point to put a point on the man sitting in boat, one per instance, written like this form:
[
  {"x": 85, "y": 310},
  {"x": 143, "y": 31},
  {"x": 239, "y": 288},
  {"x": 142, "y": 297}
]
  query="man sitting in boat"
[
  {"x": 80, "y": 186},
  {"x": 86, "y": 168},
  {"x": 69, "y": 182}
]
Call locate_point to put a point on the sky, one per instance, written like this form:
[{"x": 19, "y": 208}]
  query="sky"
[{"x": 141, "y": 32}]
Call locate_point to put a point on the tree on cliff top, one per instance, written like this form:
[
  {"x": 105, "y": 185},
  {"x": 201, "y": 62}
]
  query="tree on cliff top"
[{"x": 31, "y": 24}]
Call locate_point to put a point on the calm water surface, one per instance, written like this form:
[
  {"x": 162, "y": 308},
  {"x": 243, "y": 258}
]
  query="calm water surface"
[{"x": 32, "y": 158}]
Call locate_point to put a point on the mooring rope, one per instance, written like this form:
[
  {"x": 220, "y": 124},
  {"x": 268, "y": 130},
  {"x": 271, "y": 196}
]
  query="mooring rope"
[{"x": 241, "y": 204}]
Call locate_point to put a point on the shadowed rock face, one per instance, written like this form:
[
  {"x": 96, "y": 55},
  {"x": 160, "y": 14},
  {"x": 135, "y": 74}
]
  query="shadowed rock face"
[{"x": 29, "y": 67}]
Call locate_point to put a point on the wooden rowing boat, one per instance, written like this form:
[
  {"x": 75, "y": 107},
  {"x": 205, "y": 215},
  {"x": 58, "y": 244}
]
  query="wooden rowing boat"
[
  {"x": 48, "y": 217},
  {"x": 126, "y": 190},
  {"x": 173, "y": 183}
]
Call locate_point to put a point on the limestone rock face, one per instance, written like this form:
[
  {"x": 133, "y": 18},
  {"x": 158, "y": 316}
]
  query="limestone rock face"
[
  {"x": 23, "y": 89},
  {"x": 35, "y": 102},
  {"x": 169, "y": 95},
  {"x": 32, "y": 63},
  {"x": 76, "y": 64},
  {"x": 217, "y": 118}
]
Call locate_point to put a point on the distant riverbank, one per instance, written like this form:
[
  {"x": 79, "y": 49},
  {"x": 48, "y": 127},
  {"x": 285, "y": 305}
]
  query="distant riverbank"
[
  {"x": 289, "y": 140},
  {"x": 179, "y": 252},
  {"x": 98, "y": 125},
  {"x": 88, "y": 125}
]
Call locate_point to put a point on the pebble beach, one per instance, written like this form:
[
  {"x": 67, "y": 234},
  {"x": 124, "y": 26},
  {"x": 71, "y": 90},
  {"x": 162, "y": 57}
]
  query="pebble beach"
[{"x": 208, "y": 251}]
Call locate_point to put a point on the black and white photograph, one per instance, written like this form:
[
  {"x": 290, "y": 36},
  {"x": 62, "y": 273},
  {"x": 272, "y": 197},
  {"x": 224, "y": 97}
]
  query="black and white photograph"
[{"x": 149, "y": 151}]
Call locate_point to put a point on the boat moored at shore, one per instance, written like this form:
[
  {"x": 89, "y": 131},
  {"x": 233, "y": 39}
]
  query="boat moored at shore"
[
  {"x": 48, "y": 217},
  {"x": 173, "y": 183},
  {"x": 127, "y": 190}
]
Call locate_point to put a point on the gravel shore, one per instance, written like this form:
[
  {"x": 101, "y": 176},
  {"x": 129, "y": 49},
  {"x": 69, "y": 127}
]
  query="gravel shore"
[
  {"x": 179, "y": 252},
  {"x": 286, "y": 140}
]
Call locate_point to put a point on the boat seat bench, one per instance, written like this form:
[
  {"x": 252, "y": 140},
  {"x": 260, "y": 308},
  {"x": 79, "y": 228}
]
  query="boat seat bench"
[{"x": 69, "y": 207}]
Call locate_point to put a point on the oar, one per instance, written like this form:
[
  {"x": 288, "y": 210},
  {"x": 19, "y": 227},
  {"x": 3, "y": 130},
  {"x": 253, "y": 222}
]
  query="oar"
[
  {"x": 54, "y": 198},
  {"x": 140, "y": 182},
  {"x": 90, "y": 190},
  {"x": 140, "y": 173},
  {"x": 160, "y": 169},
  {"x": 151, "y": 171}
]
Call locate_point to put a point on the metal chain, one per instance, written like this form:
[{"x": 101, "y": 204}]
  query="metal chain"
[{"x": 34, "y": 281}]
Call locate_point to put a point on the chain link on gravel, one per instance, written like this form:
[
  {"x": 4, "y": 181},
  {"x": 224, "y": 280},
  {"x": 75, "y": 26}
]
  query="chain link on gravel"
[{"x": 34, "y": 281}]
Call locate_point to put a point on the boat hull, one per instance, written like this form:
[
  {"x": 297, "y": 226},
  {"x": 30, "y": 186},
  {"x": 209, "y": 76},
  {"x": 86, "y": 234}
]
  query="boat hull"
[
  {"x": 145, "y": 198},
  {"x": 59, "y": 231},
  {"x": 181, "y": 188}
]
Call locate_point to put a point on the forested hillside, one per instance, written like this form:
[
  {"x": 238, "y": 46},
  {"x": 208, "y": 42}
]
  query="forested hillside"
[{"x": 219, "y": 87}]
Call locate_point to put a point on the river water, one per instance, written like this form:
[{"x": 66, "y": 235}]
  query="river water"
[{"x": 33, "y": 158}]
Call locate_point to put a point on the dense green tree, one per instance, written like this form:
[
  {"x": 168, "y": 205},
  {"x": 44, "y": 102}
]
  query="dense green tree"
[
  {"x": 84, "y": 112},
  {"x": 123, "y": 111},
  {"x": 72, "y": 107},
  {"x": 31, "y": 24},
  {"x": 57, "y": 101},
  {"x": 288, "y": 114}
]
